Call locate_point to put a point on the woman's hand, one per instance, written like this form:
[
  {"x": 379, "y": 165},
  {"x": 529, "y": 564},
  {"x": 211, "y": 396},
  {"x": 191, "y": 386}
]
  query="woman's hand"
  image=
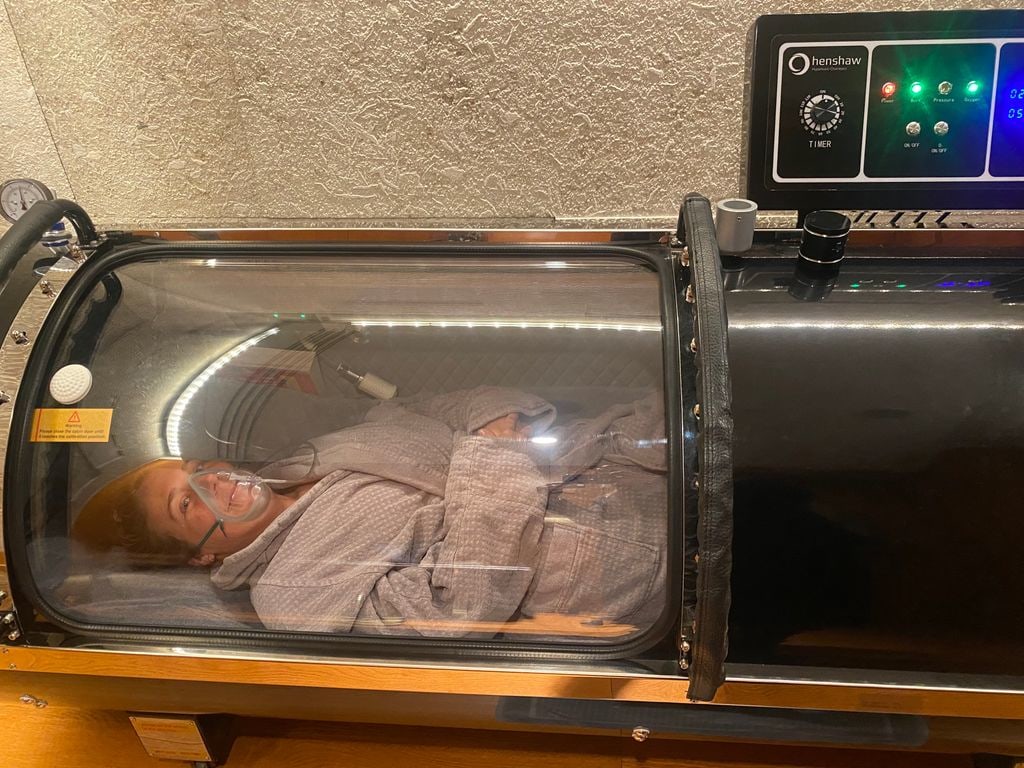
[{"x": 506, "y": 428}]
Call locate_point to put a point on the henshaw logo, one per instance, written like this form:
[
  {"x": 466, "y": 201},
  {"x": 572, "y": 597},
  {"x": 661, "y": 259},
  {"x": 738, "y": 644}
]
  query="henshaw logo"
[{"x": 800, "y": 63}]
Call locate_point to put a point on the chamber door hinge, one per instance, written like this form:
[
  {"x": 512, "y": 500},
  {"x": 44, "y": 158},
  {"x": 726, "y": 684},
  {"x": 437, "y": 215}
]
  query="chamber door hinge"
[
  {"x": 10, "y": 627},
  {"x": 685, "y": 649}
]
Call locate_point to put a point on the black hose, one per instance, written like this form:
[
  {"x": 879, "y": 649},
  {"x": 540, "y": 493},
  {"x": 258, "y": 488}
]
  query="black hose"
[
  {"x": 37, "y": 221},
  {"x": 17, "y": 276}
]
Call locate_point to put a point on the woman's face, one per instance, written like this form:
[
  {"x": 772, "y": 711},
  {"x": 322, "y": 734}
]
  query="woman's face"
[{"x": 174, "y": 509}]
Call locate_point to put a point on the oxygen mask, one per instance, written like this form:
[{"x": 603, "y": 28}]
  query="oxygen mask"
[{"x": 232, "y": 495}]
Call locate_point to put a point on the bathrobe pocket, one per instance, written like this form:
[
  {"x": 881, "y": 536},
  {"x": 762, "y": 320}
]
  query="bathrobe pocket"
[{"x": 586, "y": 571}]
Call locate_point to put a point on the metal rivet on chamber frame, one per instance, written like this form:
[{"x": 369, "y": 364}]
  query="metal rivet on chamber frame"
[
  {"x": 690, "y": 295},
  {"x": 684, "y": 646},
  {"x": 20, "y": 337},
  {"x": 684, "y": 256},
  {"x": 684, "y": 664},
  {"x": 696, "y": 411},
  {"x": 8, "y": 618},
  {"x": 46, "y": 288},
  {"x": 3, "y": 595},
  {"x": 640, "y": 733},
  {"x": 13, "y": 635},
  {"x": 693, "y": 346}
]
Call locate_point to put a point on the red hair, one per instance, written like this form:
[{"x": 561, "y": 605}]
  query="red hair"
[{"x": 115, "y": 519}]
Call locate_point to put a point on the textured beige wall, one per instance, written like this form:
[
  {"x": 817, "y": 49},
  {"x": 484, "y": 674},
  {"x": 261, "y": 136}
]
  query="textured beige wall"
[
  {"x": 237, "y": 111},
  {"x": 26, "y": 146}
]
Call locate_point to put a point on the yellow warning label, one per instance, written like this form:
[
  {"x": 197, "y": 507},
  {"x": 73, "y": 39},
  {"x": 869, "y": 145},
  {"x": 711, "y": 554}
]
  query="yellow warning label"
[{"x": 71, "y": 425}]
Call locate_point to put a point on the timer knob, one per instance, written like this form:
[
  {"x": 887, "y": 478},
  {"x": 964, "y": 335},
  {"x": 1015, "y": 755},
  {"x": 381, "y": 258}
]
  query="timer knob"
[
  {"x": 824, "y": 110},
  {"x": 821, "y": 113}
]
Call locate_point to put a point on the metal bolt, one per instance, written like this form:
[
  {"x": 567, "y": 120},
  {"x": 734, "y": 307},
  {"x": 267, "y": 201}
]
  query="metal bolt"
[
  {"x": 3, "y": 595},
  {"x": 641, "y": 734},
  {"x": 684, "y": 257},
  {"x": 46, "y": 288},
  {"x": 690, "y": 295},
  {"x": 693, "y": 346},
  {"x": 20, "y": 337},
  {"x": 684, "y": 646},
  {"x": 12, "y": 666},
  {"x": 696, "y": 411},
  {"x": 13, "y": 635},
  {"x": 8, "y": 618},
  {"x": 29, "y": 699},
  {"x": 684, "y": 664}
]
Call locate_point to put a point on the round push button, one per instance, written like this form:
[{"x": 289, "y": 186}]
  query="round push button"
[
  {"x": 70, "y": 384},
  {"x": 941, "y": 128},
  {"x": 945, "y": 87},
  {"x": 913, "y": 128}
]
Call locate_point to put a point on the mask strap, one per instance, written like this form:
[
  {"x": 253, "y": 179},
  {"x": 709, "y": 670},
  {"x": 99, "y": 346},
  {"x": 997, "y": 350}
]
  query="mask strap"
[{"x": 218, "y": 524}]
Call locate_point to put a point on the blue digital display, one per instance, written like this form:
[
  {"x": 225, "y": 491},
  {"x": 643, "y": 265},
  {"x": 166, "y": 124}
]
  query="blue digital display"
[
  {"x": 1008, "y": 124},
  {"x": 964, "y": 284}
]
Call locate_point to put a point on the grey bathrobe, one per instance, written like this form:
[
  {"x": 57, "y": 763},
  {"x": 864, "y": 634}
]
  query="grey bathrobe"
[{"x": 420, "y": 527}]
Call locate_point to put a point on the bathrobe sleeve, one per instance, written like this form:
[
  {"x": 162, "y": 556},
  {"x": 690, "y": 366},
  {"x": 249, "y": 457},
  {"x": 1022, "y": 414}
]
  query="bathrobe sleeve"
[
  {"x": 494, "y": 506},
  {"x": 469, "y": 410}
]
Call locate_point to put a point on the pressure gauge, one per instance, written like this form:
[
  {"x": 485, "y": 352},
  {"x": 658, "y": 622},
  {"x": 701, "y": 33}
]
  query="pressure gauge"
[{"x": 18, "y": 195}]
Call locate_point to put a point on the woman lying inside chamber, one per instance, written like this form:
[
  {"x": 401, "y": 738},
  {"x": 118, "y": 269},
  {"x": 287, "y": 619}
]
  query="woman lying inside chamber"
[{"x": 463, "y": 514}]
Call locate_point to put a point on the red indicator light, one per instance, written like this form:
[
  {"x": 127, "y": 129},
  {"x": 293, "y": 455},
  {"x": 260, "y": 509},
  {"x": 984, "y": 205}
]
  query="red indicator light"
[{"x": 888, "y": 90}]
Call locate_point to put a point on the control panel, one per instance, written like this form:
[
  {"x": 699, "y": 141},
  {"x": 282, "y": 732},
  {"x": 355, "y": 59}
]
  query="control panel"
[{"x": 894, "y": 110}]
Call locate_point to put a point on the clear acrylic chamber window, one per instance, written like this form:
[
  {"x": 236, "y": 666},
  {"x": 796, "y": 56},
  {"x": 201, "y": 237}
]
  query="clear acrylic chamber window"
[{"x": 446, "y": 447}]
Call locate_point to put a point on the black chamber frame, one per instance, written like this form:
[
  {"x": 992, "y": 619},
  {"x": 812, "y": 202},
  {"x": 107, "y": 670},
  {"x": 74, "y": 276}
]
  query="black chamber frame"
[{"x": 17, "y": 501}]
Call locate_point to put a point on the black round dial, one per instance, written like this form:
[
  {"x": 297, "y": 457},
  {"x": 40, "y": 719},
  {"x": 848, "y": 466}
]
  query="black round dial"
[{"x": 821, "y": 113}]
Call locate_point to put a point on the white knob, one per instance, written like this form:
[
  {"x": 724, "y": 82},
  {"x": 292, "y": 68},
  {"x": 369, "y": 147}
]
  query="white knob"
[
  {"x": 377, "y": 387},
  {"x": 70, "y": 384}
]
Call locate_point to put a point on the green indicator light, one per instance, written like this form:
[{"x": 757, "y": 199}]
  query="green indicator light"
[
  {"x": 916, "y": 88},
  {"x": 901, "y": 285},
  {"x": 855, "y": 285},
  {"x": 973, "y": 87},
  {"x": 277, "y": 315},
  {"x": 302, "y": 315}
]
